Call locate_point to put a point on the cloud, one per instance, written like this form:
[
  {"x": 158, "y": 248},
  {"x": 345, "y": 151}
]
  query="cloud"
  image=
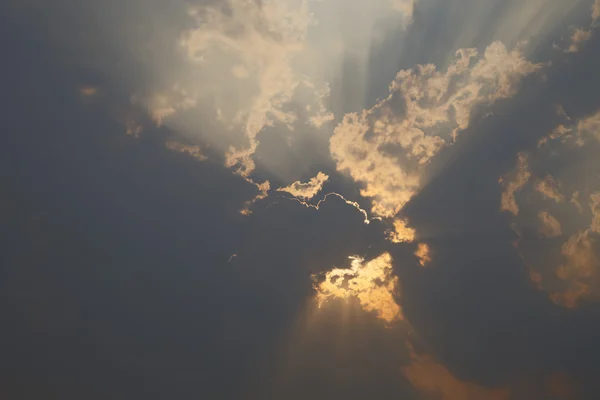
[
  {"x": 263, "y": 193},
  {"x": 549, "y": 188},
  {"x": 434, "y": 379},
  {"x": 407, "y": 7},
  {"x": 550, "y": 225},
  {"x": 579, "y": 270},
  {"x": 401, "y": 233},
  {"x": 194, "y": 151},
  {"x": 387, "y": 147},
  {"x": 163, "y": 105},
  {"x": 514, "y": 182},
  {"x": 246, "y": 48},
  {"x": 306, "y": 191},
  {"x": 575, "y": 201},
  {"x": 423, "y": 253},
  {"x": 371, "y": 282},
  {"x": 596, "y": 10},
  {"x": 568, "y": 270},
  {"x": 579, "y": 37},
  {"x": 589, "y": 127}
]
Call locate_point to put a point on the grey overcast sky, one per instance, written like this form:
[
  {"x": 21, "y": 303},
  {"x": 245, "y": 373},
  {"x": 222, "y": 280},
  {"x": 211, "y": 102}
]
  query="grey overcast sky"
[{"x": 300, "y": 199}]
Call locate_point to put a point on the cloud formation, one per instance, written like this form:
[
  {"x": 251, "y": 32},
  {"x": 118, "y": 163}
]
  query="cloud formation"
[
  {"x": 567, "y": 269},
  {"x": 385, "y": 148},
  {"x": 371, "y": 282},
  {"x": 512, "y": 183},
  {"x": 423, "y": 253},
  {"x": 308, "y": 190}
]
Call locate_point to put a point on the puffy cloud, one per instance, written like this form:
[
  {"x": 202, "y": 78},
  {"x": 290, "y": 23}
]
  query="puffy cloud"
[
  {"x": 423, "y": 253},
  {"x": 596, "y": 10},
  {"x": 307, "y": 190},
  {"x": 263, "y": 37},
  {"x": 514, "y": 182},
  {"x": 434, "y": 379},
  {"x": 371, "y": 282},
  {"x": 401, "y": 233},
  {"x": 568, "y": 270},
  {"x": 550, "y": 225},
  {"x": 550, "y": 189},
  {"x": 386, "y": 148}
]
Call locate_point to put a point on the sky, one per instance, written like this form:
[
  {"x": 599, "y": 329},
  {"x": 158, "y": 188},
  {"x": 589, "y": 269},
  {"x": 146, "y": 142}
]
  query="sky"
[{"x": 300, "y": 199}]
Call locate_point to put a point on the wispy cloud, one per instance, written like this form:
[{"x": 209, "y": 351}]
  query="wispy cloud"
[
  {"x": 308, "y": 190},
  {"x": 512, "y": 183},
  {"x": 193, "y": 150},
  {"x": 550, "y": 225}
]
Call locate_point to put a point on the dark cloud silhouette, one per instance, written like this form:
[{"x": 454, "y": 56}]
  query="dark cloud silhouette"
[{"x": 129, "y": 271}]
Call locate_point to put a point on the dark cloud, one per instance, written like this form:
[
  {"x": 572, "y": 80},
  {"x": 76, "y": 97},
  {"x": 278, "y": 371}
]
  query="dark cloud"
[{"x": 128, "y": 270}]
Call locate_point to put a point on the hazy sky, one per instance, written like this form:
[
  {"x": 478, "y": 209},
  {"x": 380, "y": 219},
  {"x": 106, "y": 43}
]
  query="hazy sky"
[{"x": 300, "y": 199}]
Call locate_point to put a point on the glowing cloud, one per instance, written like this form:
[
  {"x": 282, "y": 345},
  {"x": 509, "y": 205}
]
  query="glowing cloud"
[
  {"x": 386, "y": 148},
  {"x": 263, "y": 193},
  {"x": 371, "y": 282},
  {"x": 596, "y": 10},
  {"x": 402, "y": 233},
  {"x": 514, "y": 182},
  {"x": 306, "y": 191},
  {"x": 423, "y": 254}
]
